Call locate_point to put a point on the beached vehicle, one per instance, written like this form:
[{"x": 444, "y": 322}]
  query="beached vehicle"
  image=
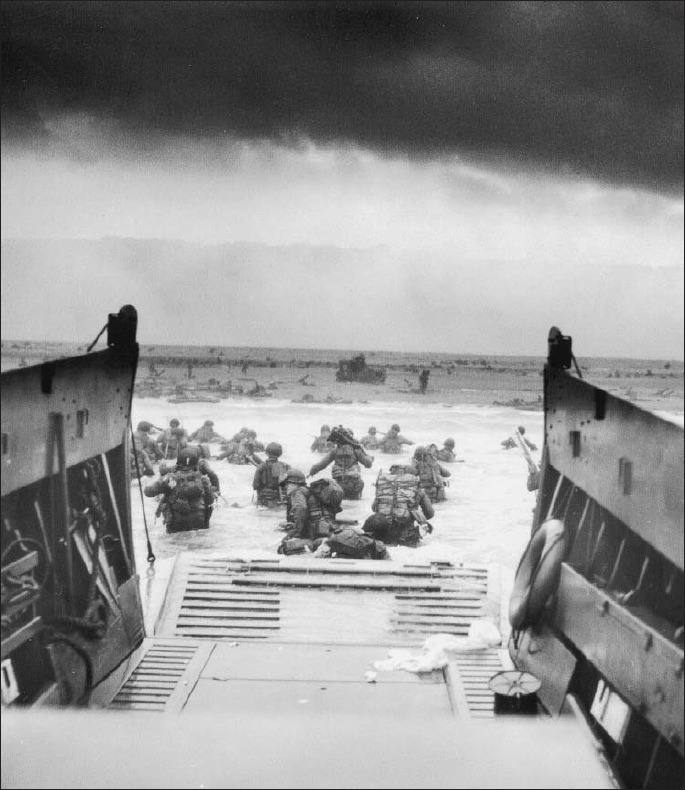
[
  {"x": 267, "y": 660},
  {"x": 356, "y": 369}
]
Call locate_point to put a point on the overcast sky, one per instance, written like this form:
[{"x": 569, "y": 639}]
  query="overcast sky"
[{"x": 526, "y": 135}]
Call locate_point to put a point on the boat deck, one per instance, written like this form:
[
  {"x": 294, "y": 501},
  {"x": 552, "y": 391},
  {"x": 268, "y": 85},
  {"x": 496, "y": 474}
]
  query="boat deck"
[{"x": 301, "y": 633}]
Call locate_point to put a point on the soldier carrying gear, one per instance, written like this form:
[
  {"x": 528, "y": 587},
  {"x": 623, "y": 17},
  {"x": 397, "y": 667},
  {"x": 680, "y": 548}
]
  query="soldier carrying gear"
[
  {"x": 401, "y": 508},
  {"x": 347, "y": 456},
  {"x": 187, "y": 497},
  {"x": 430, "y": 474},
  {"x": 266, "y": 481},
  {"x": 308, "y": 518}
]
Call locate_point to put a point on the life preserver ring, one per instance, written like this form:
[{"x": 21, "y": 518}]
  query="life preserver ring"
[{"x": 537, "y": 575}]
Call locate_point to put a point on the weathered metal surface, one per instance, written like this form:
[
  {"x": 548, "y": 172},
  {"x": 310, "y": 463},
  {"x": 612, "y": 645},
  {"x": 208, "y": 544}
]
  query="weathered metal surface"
[
  {"x": 630, "y": 462},
  {"x": 542, "y": 654},
  {"x": 296, "y": 746},
  {"x": 93, "y": 392},
  {"x": 637, "y": 660},
  {"x": 164, "y": 678},
  {"x": 467, "y": 677},
  {"x": 367, "y": 601}
]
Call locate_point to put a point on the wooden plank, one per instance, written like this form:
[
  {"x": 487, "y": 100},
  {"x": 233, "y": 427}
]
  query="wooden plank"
[
  {"x": 369, "y": 584},
  {"x": 322, "y": 569},
  {"x": 233, "y": 589},
  {"x": 167, "y": 685},
  {"x": 133, "y": 706},
  {"x": 447, "y": 609},
  {"x": 444, "y": 618},
  {"x": 444, "y": 595},
  {"x": 123, "y": 697},
  {"x": 225, "y": 626},
  {"x": 216, "y": 617},
  {"x": 456, "y": 631},
  {"x": 213, "y": 603},
  {"x": 216, "y": 633},
  {"x": 166, "y": 658}
]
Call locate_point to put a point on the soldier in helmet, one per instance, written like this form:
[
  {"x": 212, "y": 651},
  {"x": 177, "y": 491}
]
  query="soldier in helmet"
[
  {"x": 393, "y": 440},
  {"x": 321, "y": 443},
  {"x": 170, "y": 440},
  {"x": 206, "y": 433},
  {"x": 144, "y": 451},
  {"x": 401, "y": 508},
  {"x": 446, "y": 452},
  {"x": 144, "y": 441},
  {"x": 371, "y": 441},
  {"x": 267, "y": 477},
  {"x": 346, "y": 457},
  {"x": 431, "y": 474},
  {"x": 308, "y": 520},
  {"x": 186, "y": 493}
]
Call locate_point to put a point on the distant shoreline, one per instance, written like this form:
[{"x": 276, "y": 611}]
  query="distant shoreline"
[{"x": 507, "y": 381}]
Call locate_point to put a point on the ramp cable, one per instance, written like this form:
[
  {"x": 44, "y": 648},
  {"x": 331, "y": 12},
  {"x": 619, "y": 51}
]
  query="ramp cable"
[{"x": 150, "y": 554}]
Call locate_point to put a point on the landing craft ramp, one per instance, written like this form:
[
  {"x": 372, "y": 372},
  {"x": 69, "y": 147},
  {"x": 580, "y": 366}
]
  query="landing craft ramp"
[
  {"x": 287, "y": 632},
  {"x": 277, "y": 651}
]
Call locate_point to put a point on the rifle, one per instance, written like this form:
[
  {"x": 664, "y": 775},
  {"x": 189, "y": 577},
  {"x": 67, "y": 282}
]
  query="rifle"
[
  {"x": 340, "y": 436},
  {"x": 351, "y": 521},
  {"x": 532, "y": 465},
  {"x": 420, "y": 519}
]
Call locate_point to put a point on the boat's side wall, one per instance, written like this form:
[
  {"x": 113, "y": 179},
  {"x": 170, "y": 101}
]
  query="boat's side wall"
[
  {"x": 628, "y": 460},
  {"x": 92, "y": 392}
]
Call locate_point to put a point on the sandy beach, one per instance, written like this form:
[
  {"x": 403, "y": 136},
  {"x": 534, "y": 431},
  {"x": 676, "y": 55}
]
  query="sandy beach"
[
  {"x": 486, "y": 382},
  {"x": 309, "y": 375}
]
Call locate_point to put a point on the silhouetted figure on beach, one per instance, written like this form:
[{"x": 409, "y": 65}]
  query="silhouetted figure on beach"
[{"x": 423, "y": 380}]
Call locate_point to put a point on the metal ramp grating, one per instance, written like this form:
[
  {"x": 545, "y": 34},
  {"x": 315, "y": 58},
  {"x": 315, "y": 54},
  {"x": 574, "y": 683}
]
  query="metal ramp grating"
[
  {"x": 449, "y": 611},
  {"x": 162, "y": 680},
  {"x": 470, "y": 680},
  {"x": 331, "y": 600}
]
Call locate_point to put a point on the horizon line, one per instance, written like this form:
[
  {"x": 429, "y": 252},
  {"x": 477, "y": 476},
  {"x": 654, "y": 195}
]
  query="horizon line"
[{"x": 348, "y": 350}]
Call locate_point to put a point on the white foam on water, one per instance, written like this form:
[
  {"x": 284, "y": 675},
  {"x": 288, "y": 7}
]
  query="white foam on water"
[{"x": 486, "y": 519}]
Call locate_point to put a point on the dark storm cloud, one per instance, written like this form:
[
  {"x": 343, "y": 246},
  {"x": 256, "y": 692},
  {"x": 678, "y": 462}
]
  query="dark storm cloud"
[{"x": 588, "y": 87}]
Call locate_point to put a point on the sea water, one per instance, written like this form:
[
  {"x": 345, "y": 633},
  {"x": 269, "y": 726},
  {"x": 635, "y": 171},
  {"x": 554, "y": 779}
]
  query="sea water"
[{"x": 486, "y": 518}]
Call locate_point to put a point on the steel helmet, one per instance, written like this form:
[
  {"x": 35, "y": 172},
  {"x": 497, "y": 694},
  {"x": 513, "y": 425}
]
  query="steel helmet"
[
  {"x": 420, "y": 451},
  {"x": 521, "y": 430},
  {"x": 449, "y": 443},
  {"x": 292, "y": 476},
  {"x": 274, "y": 448},
  {"x": 174, "y": 423},
  {"x": 325, "y": 428},
  {"x": 372, "y": 429},
  {"x": 144, "y": 426},
  {"x": 395, "y": 427},
  {"x": 209, "y": 423},
  {"x": 188, "y": 457}
]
